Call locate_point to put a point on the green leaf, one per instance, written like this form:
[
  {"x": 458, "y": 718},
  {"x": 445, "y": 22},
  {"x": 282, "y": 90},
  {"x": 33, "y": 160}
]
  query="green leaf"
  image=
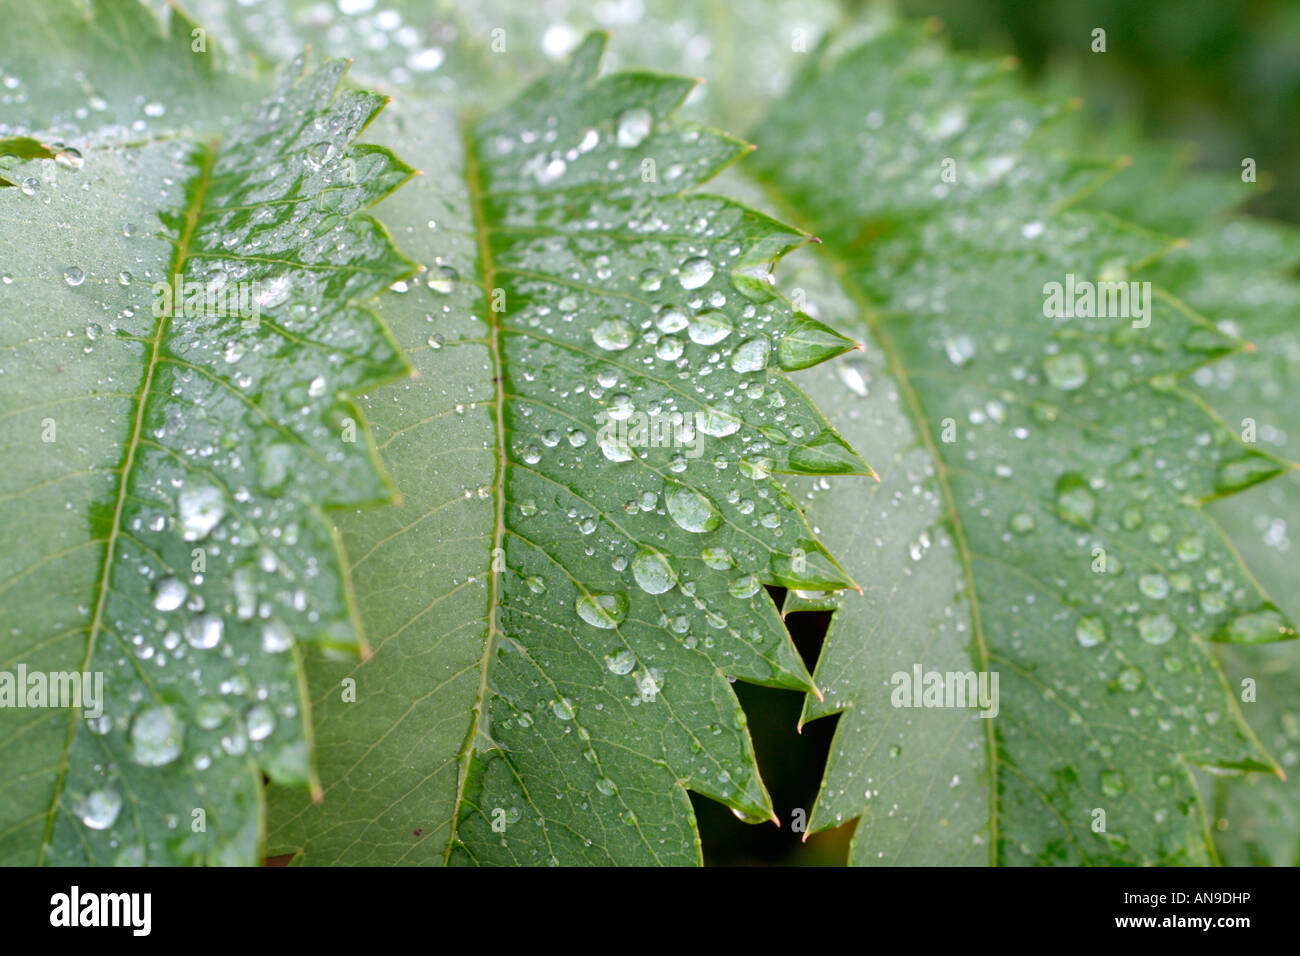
[
  {"x": 1041, "y": 512},
  {"x": 557, "y": 607},
  {"x": 1239, "y": 274},
  {"x": 182, "y": 328}
]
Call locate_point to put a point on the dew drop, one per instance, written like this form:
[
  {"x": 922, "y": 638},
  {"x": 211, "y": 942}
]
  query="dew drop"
[
  {"x": 156, "y": 737},
  {"x": 613, "y": 335},
  {"x": 99, "y": 809},
  {"x": 652, "y": 571},
  {"x": 201, "y": 509},
  {"x": 1156, "y": 628},
  {"x": 620, "y": 662},
  {"x": 169, "y": 594},
  {"x": 633, "y": 127},
  {"x": 690, "y": 510},
  {"x": 1066, "y": 371},
  {"x": 605, "y": 611},
  {"x": 1090, "y": 631},
  {"x": 709, "y": 328},
  {"x": 695, "y": 272}
]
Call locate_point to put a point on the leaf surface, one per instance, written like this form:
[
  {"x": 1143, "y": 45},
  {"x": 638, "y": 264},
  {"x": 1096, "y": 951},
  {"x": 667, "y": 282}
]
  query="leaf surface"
[
  {"x": 182, "y": 325},
  {"x": 559, "y": 605},
  {"x": 1040, "y": 514}
]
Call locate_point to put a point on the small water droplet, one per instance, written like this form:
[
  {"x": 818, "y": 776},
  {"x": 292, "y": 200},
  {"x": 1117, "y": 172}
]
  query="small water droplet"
[{"x": 633, "y": 127}]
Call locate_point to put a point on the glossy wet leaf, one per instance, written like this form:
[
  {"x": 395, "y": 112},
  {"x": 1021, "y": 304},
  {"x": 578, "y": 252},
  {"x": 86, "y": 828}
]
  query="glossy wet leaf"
[
  {"x": 1239, "y": 274},
  {"x": 181, "y": 306},
  {"x": 1041, "y": 507},
  {"x": 588, "y": 464}
]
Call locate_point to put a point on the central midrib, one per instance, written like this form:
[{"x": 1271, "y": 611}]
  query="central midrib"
[
  {"x": 201, "y": 182},
  {"x": 474, "y": 186},
  {"x": 899, "y": 371}
]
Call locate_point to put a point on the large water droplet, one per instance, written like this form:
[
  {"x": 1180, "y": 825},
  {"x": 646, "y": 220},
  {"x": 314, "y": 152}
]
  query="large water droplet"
[
  {"x": 613, "y": 335},
  {"x": 1075, "y": 501},
  {"x": 709, "y": 328},
  {"x": 1259, "y": 626},
  {"x": 652, "y": 571},
  {"x": 204, "y": 631},
  {"x": 99, "y": 808},
  {"x": 750, "y": 355},
  {"x": 156, "y": 736},
  {"x": 695, "y": 272},
  {"x": 605, "y": 611},
  {"x": 201, "y": 508},
  {"x": 260, "y": 722},
  {"x": 1156, "y": 628},
  {"x": 960, "y": 348},
  {"x": 1066, "y": 371},
  {"x": 1090, "y": 631},
  {"x": 169, "y": 594},
  {"x": 633, "y": 127},
  {"x": 620, "y": 662},
  {"x": 690, "y": 510}
]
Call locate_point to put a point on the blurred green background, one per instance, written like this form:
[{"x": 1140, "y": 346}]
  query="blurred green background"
[{"x": 1220, "y": 78}]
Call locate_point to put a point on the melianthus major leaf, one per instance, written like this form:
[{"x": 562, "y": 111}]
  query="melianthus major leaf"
[
  {"x": 558, "y": 606},
  {"x": 1240, "y": 274},
  {"x": 167, "y": 465},
  {"x": 1041, "y": 509}
]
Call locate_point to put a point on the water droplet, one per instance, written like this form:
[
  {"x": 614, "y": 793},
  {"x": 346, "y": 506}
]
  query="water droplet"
[
  {"x": 1259, "y": 626},
  {"x": 1066, "y": 371},
  {"x": 695, "y": 272},
  {"x": 1154, "y": 585},
  {"x": 99, "y": 809},
  {"x": 1075, "y": 501},
  {"x": 169, "y": 594},
  {"x": 276, "y": 637},
  {"x": 670, "y": 348},
  {"x": 709, "y": 328},
  {"x": 201, "y": 509},
  {"x": 1090, "y": 631},
  {"x": 1156, "y": 628},
  {"x": 751, "y": 355},
  {"x": 690, "y": 510},
  {"x": 1191, "y": 548},
  {"x": 613, "y": 335},
  {"x": 442, "y": 279},
  {"x": 204, "y": 631},
  {"x": 74, "y": 276},
  {"x": 745, "y": 587},
  {"x": 260, "y": 722},
  {"x": 605, "y": 611},
  {"x": 671, "y": 319},
  {"x": 69, "y": 157},
  {"x": 960, "y": 348},
  {"x": 621, "y": 662},
  {"x": 1112, "y": 783},
  {"x": 563, "y": 708},
  {"x": 652, "y": 571},
  {"x": 633, "y": 127},
  {"x": 1022, "y": 522},
  {"x": 156, "y": 735}
]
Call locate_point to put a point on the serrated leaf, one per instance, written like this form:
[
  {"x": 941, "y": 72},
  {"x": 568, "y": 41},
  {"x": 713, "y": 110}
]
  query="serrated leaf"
[
  {"x": 558, "y": 605},
  {"x": 1239, "y": 274},
  {"x": 183, "y": 325},
  {"x": 1022, "y": 451}
]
